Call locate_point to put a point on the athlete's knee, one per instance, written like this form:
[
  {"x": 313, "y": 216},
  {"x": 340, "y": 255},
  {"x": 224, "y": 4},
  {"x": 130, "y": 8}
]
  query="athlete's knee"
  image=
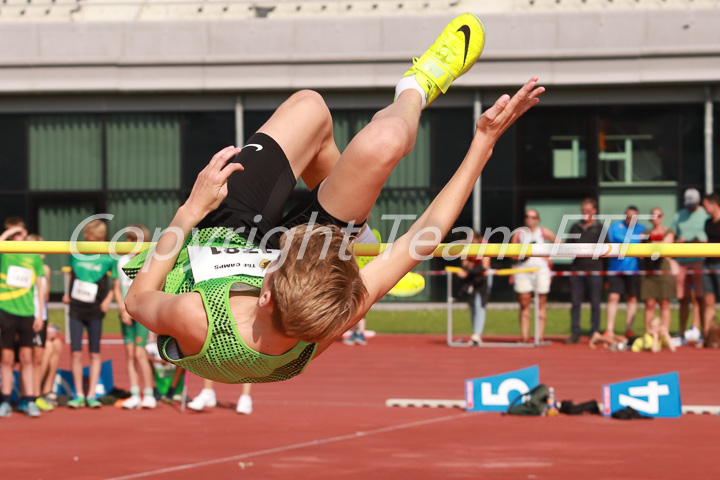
[
  {"x": 25, "y": 356},
  {"x": 313, "y": 103},
  {"x": 388, "y": 140},
  {"x": 140, "y": 353}
]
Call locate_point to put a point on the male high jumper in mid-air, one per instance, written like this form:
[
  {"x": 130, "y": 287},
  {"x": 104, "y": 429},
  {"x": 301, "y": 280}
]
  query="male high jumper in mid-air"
[{"x": 260, "y": 328}]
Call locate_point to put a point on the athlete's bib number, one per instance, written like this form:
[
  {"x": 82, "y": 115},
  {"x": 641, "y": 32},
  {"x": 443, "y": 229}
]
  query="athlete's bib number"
[
  {"x": 84, "y": 291},
  {"x": 19, "y": 277},
  {"x": 215, "y": 262}
]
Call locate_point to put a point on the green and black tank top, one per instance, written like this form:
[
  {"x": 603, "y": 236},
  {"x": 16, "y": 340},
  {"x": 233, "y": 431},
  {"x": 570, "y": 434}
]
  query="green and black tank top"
[{"x": 224, "y": 357}]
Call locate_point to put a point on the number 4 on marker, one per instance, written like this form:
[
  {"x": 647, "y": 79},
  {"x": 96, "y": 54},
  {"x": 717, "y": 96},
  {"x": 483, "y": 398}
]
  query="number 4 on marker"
[{"x": 653, "y": 391}]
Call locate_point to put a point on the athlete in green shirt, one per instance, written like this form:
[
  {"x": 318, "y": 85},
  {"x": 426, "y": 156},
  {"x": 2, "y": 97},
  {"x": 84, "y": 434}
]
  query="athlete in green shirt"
[
  {"x": 89, "y": 298},
  {"x": 309, "y": 296},
  {"x": 18, "y": 318}
]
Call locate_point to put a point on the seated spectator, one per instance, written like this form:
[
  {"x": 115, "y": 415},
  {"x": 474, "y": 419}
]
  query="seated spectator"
[
  {"x": 660, "y": 334},
  {"x": 49, "y": 366},
  {"x": 655, "y": 338}
]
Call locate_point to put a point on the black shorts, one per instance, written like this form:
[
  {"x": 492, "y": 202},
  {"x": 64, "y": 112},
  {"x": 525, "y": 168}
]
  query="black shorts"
[
  {"x": 15, "y": 330},
  {"x": 94, "y": 329},
  {"x": 39, "y": 338},
  {"x": 257, "y": 196},
  {"x": 624, "y": 284}
]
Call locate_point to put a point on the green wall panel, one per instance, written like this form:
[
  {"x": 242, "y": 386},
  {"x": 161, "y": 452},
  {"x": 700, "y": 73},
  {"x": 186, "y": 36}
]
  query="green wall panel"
[
  {"x": 65, "y": 152},
  {"x": 143, "y": 152},
  {"x": 154, "y": 210}
]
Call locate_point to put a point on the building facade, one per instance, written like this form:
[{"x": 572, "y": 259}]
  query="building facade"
[{"x": 113, "y": 108}]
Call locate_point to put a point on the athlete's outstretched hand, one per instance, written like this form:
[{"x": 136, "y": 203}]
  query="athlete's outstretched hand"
[
  {"x": 210, "y": 187},
  {"x": 506, "y": 110}
]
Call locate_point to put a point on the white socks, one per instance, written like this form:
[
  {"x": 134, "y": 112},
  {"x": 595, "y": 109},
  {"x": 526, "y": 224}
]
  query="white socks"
[{"x": 410, "y": 82}]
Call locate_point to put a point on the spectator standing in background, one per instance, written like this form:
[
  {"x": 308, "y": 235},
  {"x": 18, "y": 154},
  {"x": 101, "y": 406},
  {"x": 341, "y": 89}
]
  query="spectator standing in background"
[
  {"x": 40, "y": 337},
  {"x": 89, "y": 299},
  {"x": 658, "y": 289},
  {"x": 19, "y": 321},
  {"x": 711, "y": 280},
  {"x": 624, "y": 231},
  {"x": 689, "y": 227},
  {"x": 525, "y": 284},
  {"x": 476, "y": 286},
  {"x": 587, "y": 230},
  {"x": 207, "y": 398},
  {"x": 357, "y": 332},
  {"x": 134, "y": 335}
]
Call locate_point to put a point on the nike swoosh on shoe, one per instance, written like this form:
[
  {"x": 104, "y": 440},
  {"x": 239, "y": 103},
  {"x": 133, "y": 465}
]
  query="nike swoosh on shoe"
[{"x": 466, "y": 32}]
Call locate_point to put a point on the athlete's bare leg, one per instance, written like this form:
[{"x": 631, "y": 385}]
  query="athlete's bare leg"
[
  {"x": 354, "y": 184},
  {"x": 303, "y": 128}
]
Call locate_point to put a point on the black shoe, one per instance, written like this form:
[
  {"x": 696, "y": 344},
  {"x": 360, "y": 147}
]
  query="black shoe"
[{"x": 572, "y": 339}]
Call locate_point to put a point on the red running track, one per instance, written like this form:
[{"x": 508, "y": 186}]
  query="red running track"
[{"x": 332, "y": 423}]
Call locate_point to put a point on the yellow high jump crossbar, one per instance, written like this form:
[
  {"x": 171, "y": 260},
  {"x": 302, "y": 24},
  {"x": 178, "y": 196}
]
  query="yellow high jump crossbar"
[
  {"x": 502, "y": 272},
  {"x": 443, "y": 250}
]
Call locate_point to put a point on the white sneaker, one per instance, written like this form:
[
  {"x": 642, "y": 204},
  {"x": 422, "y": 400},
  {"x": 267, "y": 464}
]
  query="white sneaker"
[
  {"x": 149, "y": 401},
  {"x": 692, "y": 334},
  {"x": 206, "y": 398},
  {"x": 244, "y": 405},
  {"x": 475, "y": 339},
  {"x": 131, "y": 403}
]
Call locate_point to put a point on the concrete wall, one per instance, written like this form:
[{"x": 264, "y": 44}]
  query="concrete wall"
[{"x": 568, "y": 48}]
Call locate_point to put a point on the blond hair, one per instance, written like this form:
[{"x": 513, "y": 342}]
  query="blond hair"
[
  {"x": 131, "y": 233},
  {"x": 317, "y": 288},
  {"x": 96, "y": 228}
]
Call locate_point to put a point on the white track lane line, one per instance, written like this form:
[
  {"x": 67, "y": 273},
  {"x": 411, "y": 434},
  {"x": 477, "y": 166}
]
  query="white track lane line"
[{"x": 295, "y": 446}]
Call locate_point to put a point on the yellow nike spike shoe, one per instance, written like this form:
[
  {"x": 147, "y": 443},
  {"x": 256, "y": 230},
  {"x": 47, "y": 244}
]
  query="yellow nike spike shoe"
[{"x": 454, "y": 52}]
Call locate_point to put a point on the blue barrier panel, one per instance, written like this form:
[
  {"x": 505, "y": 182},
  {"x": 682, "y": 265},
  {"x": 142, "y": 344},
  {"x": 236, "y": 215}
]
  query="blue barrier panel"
[
  {"x": 495, "y": 393},
  {"x": 65, "y": 385},
  {"x": 656, "y": 396},
  {"x": 15, "y": 394}
]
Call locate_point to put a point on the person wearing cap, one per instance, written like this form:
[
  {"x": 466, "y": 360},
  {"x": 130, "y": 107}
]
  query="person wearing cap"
[
  {"x": 624, "y": 231},
  {"x": 689, "y": 227}
]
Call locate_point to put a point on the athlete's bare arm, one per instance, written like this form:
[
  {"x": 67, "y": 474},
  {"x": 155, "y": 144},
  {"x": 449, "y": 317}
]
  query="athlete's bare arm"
[
  {"x": 427, "y": 232},
  {"x": 180, "y": 316}
]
